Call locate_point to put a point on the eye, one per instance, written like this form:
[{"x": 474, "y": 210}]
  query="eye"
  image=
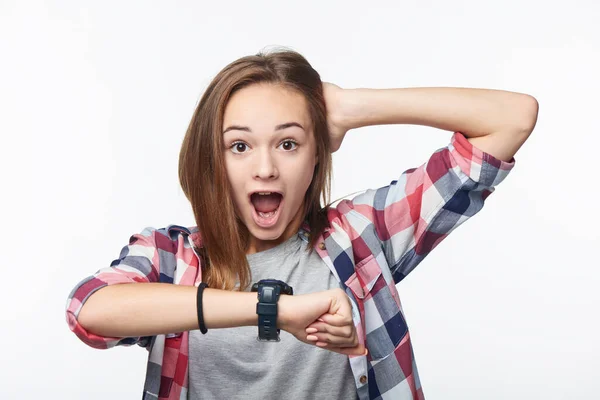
[
  {"x": 289, "y": 145},
  {"x": 238, "y": 147}
]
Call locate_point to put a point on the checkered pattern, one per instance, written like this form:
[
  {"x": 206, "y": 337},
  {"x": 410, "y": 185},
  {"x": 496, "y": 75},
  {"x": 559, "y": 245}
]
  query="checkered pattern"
[{"x": 373, "y": 242}]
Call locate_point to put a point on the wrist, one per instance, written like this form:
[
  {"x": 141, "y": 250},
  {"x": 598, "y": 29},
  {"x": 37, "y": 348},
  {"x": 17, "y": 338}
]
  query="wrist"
[
  {"x": 353, "y": 108},
  {"x": 284, "y": 306}
]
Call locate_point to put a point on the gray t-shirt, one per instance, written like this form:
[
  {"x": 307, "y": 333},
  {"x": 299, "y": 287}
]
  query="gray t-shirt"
[{"x": 231, "y": 364}]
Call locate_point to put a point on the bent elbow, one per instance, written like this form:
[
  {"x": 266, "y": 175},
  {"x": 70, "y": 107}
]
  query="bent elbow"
[{"x": 530, "y": 111}]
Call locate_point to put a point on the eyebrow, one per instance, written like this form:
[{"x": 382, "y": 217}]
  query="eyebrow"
[{"x": 277, "y": 128}]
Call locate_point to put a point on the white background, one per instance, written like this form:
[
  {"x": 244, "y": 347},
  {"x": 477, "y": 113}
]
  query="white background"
[{"x": 95, "y": 98}]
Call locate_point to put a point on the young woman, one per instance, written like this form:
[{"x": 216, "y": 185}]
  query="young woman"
[{"x": 255, "y": 165}]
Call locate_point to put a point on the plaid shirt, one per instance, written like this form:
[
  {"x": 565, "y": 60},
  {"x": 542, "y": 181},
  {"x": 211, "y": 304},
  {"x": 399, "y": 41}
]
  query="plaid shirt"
[{"x": 372, "y": 243}]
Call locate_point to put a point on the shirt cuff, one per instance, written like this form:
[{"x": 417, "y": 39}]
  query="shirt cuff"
[{"x": 480, "y": 166}]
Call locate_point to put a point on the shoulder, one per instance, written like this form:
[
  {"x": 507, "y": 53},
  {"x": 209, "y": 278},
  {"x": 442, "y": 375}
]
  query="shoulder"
[
  {"x": 342, "y": 217},
  {"x": 167, "y": 238}
]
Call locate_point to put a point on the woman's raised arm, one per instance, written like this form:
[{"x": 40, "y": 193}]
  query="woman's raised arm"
[{"x": 495, "y": 121}]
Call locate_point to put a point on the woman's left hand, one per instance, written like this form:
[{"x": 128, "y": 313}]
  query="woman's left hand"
[{"x": 337, "y": 104}]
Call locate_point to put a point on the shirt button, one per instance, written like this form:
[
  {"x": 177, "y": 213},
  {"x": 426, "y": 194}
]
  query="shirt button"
[
  {"x": 322, "y": 246},
  {"x": 363, "y": 379}
]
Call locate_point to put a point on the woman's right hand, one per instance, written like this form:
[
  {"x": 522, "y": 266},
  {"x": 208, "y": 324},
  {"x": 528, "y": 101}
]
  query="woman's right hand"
[{"x": 323, "y": 319}]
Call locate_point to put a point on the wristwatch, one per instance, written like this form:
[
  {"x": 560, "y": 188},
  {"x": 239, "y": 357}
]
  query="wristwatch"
[{"x": 269, "y": 291}]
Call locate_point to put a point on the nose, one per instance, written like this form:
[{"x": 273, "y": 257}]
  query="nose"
[{"x": 264, "y": 167}]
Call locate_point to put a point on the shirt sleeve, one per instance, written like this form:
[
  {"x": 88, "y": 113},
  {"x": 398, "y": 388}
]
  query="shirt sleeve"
[
  {"x": 137, "y": 262},
  {"x": 415, "y": 213}
]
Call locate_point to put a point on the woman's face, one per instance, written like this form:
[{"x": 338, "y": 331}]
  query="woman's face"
[{"x": 270, "y": 159}]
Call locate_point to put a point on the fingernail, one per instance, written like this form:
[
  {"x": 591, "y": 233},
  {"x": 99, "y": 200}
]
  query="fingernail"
[
  {"x": 311, "y": 330},
  {"x": 311, "y": 337}
]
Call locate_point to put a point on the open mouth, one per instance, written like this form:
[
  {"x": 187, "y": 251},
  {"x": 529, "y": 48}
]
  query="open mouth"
[{"x": 266, "y": 207}]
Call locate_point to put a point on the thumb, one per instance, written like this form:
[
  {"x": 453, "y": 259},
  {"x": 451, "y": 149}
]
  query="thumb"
[
  {"x": 336, "y": 319},
  {"x": 359, "y": 350}
]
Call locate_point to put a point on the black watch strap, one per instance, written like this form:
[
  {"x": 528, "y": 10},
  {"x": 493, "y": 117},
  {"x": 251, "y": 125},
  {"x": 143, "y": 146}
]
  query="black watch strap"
[
  {"x": 267, "y": 313},
  {"x": 269, "y": 291}
]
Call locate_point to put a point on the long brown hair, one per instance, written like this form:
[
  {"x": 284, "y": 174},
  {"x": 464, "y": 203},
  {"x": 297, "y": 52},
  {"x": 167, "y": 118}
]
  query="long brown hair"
[{"x": 202, "y": 171}]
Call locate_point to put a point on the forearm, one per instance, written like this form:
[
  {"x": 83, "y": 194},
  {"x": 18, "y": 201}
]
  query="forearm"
[
  {"x": 148, "y": 309},
  {"x": 145, "y": 309},
  {"x": 474, "y": 112}
]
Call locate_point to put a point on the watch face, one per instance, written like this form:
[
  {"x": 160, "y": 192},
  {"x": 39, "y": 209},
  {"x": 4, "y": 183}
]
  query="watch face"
[
  {"x": 271, "y": 282},
  {"x": 284, "y": 287}
]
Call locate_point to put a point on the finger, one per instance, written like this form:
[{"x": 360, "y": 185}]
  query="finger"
[
  {"x": 344, "y": 331},
  {"x": 328, "y": 338},
  {"x": 337, "y": 319},
  {"x": 358, "y": 350}
]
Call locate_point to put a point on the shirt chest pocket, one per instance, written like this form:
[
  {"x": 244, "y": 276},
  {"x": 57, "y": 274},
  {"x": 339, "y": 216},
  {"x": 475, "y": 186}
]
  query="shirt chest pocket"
[
  {"x": 382, "y": 319},
  {"x": 366, "y": 274}
]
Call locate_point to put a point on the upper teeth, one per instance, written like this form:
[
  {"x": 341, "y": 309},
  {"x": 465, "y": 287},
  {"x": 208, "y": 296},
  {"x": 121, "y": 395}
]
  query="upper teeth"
[{"x": 264, "y": 193}]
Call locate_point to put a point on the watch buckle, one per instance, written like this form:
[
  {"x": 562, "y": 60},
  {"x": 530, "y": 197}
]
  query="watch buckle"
[{"x": 278, "y": 339}]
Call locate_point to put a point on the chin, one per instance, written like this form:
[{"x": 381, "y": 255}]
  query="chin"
[
  {"x": 266, "y": 235},
  {"x": 269, "y": 234}
]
